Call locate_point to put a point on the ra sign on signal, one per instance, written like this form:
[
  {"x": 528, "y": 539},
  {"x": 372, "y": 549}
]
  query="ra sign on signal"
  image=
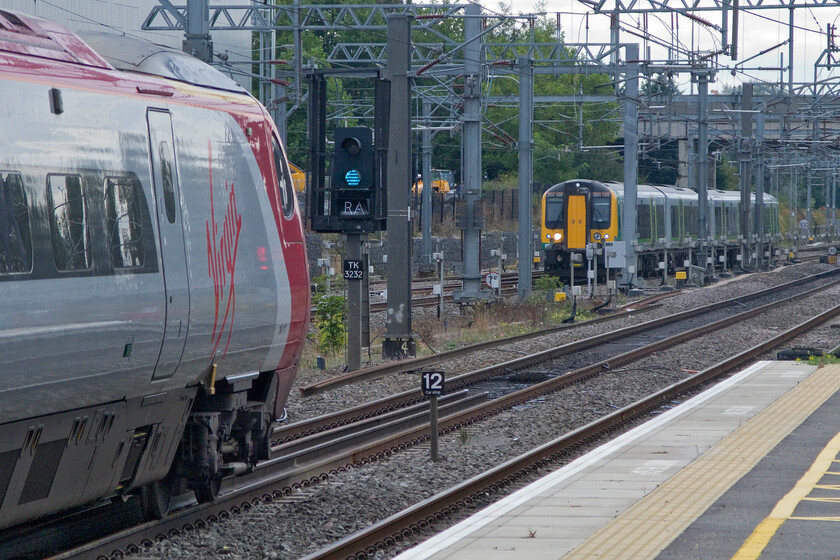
[{"x": 354, "y": 208}]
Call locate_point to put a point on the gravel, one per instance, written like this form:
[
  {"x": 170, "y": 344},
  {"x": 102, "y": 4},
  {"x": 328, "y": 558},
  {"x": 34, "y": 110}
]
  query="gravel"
[{"x": 349, "y": 501}]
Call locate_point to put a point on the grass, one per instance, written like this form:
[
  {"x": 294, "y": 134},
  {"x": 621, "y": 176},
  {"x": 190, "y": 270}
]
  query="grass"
[{"x": 473, "y": 324}]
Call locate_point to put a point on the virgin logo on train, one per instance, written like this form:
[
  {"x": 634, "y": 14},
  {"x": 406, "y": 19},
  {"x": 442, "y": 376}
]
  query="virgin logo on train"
[{"x": 222, "y": 245}]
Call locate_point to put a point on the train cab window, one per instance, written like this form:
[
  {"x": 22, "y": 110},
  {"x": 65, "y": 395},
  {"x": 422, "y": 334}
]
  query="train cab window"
[
  {"x": 124, "y": 209},
  {"x": 69, "y": 226},
  {"x": 284, "y": 180},
  {"x": 555, "y": 212},
  {"x": 15, "y": 235},
  {"x": 601, "y": 212},
  {"x": 167, "y": 180}
]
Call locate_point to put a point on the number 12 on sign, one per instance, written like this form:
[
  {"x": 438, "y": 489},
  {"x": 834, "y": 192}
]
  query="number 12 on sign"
[{"x": 432, "y": 382}]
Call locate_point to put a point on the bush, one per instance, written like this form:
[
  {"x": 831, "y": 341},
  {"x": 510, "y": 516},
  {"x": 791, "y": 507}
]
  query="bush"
[
  {"x": 547, "y": 282},
  {"x": 330, "y": 318}
]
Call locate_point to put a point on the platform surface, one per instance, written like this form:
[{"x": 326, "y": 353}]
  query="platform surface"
[{"x": 746, "y": 468}]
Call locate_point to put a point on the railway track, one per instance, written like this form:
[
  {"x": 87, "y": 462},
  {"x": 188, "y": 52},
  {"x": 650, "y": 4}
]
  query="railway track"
[
  {"x": 395, "y": 528},
  {"x": 401, "y": 366},
  {"x": 596, "y": 345},
  {"x": 288, "y": 466}
]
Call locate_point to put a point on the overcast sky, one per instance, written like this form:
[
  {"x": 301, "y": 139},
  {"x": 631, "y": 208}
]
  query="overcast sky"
[{"x": 759, "y": 30}]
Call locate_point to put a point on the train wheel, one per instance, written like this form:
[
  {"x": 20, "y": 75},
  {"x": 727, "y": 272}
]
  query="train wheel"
[
  {"x": 156, "y": 498},
  {"x": 208, "y": 490}
]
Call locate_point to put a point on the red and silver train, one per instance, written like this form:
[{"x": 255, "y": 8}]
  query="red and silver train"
[{"x": 153, "y": 276}]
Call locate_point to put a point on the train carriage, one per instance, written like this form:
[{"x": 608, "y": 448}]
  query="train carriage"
[
  {"x": 152, "y": 273},
  {"x": 666, "y": 224}
]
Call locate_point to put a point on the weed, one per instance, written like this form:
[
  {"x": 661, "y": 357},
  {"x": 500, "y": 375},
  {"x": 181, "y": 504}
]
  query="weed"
[{"x": 823, "y": 360}]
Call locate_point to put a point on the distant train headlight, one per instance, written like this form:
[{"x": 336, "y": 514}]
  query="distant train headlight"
[
  {"x": 606, "y": 236},
  {"x": 596, "y": 236},
  {"x": 558, "y": 236}
]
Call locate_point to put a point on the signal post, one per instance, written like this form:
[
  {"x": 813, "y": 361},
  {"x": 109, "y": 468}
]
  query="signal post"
[
  {"x": 356, "y": 201},
  {"x": 353, "y": 184},
  {"x": 353, "y": 204}
]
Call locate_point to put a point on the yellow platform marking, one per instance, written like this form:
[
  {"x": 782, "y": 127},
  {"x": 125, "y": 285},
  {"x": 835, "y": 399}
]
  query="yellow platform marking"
[
  {"x": 648, "y": 526},
  {"x": 756, "y": 543}
]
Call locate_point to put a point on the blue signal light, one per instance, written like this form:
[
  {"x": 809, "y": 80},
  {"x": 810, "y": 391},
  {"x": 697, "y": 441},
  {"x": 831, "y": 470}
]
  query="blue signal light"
[{"x": 353, "y": 178}]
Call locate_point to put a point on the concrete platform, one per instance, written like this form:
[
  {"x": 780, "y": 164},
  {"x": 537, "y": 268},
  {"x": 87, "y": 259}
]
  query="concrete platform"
[{"x": 746, "y": 468}]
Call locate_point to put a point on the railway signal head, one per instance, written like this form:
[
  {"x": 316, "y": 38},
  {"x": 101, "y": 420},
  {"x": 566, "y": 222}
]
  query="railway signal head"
[{"x": 353, "y": 181}]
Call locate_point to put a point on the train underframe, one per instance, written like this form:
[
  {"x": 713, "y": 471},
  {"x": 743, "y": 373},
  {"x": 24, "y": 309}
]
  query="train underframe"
[
  {"x": 155, "y": 447},
  {"x": 724, "y": 258},
  {"x": 227, "y": 432}
]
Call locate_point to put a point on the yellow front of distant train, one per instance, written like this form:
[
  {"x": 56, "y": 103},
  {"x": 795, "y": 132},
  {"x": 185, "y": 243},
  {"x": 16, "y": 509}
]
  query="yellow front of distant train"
[{"x": 576, "y": 213}]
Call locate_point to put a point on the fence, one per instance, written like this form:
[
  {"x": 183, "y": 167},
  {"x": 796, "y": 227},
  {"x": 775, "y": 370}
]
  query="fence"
[{"x": 498, "y": 205}]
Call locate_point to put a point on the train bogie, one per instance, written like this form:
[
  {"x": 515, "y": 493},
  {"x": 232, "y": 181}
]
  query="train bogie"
[{"x": 152, "y": 272}]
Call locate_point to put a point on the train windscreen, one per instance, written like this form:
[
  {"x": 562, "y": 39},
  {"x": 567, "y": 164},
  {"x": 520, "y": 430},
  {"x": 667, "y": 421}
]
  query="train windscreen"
[
  {"x": 555, "y": 212},
  {"x": 600, "y": 213}
]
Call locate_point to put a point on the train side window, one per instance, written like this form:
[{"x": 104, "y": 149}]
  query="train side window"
[
  {"x": 690, "y": 218},
  {"x": 69, "y": 225},
  {"x": 643, "y": 221},
  {"x": 733, "y": 226},
  {"x": 124, "y": 204},
  {"x": 284, "y": 180},
  {"x": 168, "y": 181},
  {"x": 15, "y": 234},
  {"x": 658, "y": 207},
  {"x": 675, "y": 221},
  {"x": 601, "y": 212}
]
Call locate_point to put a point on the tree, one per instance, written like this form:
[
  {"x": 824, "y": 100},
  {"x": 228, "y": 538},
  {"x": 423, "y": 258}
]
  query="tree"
[
  {"x": 662, "y": 84},
  {"x": 564, "y": 133}
]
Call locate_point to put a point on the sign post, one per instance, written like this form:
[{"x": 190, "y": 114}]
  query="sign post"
[
  {"x": 432, "y": 384},
  {"x": 354, "y": 273}
]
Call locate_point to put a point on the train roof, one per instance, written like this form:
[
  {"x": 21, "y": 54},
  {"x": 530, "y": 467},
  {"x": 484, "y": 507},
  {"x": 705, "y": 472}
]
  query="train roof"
[
  {"x": 138, "y": 55},
  {"x": 592, "y": 185},
  {"x": 33, "y": 36},
  {"x": 37, "y": 37},
  {"x": 673, "y": 192}
]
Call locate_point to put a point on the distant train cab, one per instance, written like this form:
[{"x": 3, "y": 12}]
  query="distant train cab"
[
  {"x": 575, "y": 214},
  {"x": 580, "y": 216}
]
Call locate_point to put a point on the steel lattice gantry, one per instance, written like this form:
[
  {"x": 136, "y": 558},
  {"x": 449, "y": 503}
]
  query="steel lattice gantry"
[{"x": 684, "y": 6}]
